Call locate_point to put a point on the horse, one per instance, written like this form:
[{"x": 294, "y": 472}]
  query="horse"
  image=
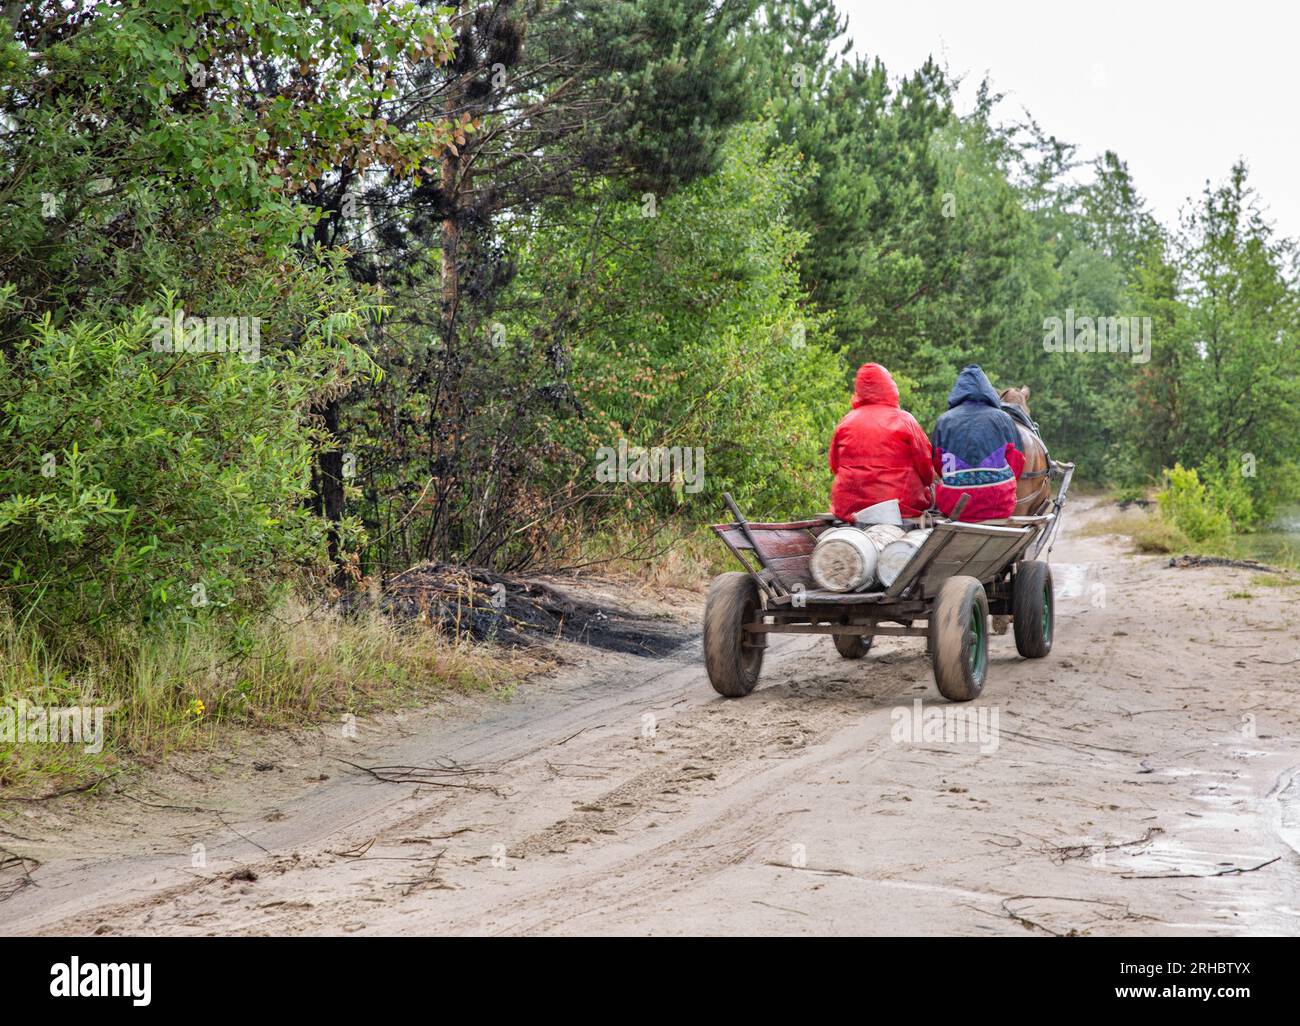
[{"x": 1033, "y": 489}]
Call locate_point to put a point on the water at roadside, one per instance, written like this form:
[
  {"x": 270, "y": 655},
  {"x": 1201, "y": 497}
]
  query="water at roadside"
[{"x": 1278, "y": 542}]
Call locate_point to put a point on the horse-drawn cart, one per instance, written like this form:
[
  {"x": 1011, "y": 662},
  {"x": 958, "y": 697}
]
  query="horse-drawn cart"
[{"x": 960, "y": 576}]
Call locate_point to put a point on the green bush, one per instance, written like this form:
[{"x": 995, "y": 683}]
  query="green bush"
[
  {"x": 141, "y": 484},
  {"x": 1229, "y": 491},
  {"x": 1206, "y": 505}
]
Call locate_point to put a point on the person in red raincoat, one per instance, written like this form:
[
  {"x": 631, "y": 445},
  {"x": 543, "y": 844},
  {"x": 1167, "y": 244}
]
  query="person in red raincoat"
[{"x": 879, "y": 451}]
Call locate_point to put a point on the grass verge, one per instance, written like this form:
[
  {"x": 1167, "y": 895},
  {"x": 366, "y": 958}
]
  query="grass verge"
[{"x": 159, "y": 692}]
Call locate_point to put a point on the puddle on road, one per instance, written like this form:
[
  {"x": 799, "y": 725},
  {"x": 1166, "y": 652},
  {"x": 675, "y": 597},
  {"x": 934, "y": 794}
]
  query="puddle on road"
[
  {"x": 1226, "y": 833},
  {"x": 1287, "y": 823}
]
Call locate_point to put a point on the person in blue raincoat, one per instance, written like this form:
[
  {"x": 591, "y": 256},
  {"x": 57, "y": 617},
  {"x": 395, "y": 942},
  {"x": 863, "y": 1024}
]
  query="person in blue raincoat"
[{"x": 976, "y": 450}]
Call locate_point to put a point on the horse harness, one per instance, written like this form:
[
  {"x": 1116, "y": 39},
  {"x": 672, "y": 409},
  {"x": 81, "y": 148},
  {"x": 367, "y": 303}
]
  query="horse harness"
[{"x": 1018, "y": 414}]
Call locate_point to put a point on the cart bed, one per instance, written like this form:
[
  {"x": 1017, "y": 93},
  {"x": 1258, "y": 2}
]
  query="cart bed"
[{"x": 779, "y": 554}]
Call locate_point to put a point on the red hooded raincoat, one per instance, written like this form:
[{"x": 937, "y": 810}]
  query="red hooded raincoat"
[{"x": 879, "y": 451}]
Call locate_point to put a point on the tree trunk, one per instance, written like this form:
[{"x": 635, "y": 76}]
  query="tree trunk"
[
  {"x": 327, "y": 488},
  {"x": 449, "y": 182}
]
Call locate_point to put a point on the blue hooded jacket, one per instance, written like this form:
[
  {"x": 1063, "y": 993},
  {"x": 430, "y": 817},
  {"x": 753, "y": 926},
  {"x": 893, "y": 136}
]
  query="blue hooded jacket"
[
  {"x": 975, "y": 430},
  {"x": 976, "y": 451}
]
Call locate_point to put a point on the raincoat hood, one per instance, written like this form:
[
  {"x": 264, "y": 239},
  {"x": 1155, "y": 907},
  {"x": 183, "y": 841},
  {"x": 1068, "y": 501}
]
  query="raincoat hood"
[
  {"x": 972, "y": 387},
  {"x": 875, "y": 387}
]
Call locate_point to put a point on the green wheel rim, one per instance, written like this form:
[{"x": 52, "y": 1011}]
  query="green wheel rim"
[
  {"x": 978, "y": 649},
  {"x": 1047, "y": 612}
]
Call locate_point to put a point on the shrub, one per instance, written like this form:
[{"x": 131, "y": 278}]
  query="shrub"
[
  {"x": 1206, "y": 506},
  {"x": 141, "y": 484},
  {"x": 1229, "y": 491}
]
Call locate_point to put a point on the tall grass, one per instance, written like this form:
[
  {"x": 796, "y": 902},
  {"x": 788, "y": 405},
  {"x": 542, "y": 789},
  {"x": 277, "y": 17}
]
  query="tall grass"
[{"x": 166, "y": 690}]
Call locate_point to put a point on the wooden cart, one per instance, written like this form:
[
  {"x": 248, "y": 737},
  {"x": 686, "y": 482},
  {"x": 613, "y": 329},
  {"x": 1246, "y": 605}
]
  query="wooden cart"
[{"x": 960, "y": 576}]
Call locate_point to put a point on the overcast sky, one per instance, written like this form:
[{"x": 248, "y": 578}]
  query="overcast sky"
[{"x": 1178, "y": 90}]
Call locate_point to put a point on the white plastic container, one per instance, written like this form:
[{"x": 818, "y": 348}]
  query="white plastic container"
[{"x": 897, "y": 554}]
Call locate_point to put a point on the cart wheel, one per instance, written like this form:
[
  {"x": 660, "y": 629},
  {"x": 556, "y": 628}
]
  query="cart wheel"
[
  {"x": 1033, "y": 606},
  {"x": 852, "y": 646},
  {"x": 731, "y": 658},
  {"x": 960, "y": 639}
]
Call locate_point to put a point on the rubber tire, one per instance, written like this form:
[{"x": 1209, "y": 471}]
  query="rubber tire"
[
  {"x": 1033, "y": 609},
  {"x": 733, "y": 602},
  {"x": 853, "y": 646},
  {"x": 961, "y": 608}
]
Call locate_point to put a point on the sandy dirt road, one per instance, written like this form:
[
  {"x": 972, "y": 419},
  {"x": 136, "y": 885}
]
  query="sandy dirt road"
[{"x": 1143, "y": 779}]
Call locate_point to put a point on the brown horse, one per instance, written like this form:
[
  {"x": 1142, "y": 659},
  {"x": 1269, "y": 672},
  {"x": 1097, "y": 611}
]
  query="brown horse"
[{"x": 1034, "y": 489}]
